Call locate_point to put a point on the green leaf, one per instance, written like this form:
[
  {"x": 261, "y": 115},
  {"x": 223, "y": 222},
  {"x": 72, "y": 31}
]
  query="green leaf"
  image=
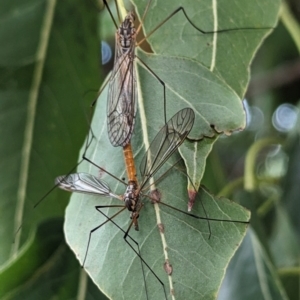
[
  {"x": 261, "y": 277},
  {"x": 198, "y": 262}
]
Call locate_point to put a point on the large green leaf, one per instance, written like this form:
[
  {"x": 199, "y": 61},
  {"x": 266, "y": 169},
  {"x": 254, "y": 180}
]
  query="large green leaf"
[{"x": 198, "y": 262}]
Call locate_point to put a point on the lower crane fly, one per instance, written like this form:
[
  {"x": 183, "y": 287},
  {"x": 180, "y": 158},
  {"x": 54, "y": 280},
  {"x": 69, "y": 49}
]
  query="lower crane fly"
[{"x": 165, "y": 143}]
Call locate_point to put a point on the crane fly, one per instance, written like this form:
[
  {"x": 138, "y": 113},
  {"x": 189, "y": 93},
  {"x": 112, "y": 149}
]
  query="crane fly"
[{"x": 163, "y": 146}]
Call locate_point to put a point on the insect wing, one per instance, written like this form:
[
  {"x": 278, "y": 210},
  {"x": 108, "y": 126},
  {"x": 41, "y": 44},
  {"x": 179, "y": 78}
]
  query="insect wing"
[
  {"x": 84, "y": 183},
  {"x": 122, "y": 95},
  {"x": 166, "y": 142}
]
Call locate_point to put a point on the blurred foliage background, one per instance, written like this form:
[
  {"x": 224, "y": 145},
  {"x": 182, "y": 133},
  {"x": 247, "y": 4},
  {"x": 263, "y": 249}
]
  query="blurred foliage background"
[{"x": 259, "y": 167}]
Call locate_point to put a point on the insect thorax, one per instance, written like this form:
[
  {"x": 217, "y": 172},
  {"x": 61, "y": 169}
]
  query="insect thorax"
[
  {"x": 131, "y": 196},
  {"x": 127, "y": 32}
]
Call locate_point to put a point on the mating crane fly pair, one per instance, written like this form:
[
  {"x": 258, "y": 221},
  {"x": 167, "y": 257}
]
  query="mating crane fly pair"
[{"x": 121, "y": 113}]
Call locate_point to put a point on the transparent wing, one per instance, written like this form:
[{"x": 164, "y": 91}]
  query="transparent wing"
[
  {"x": 122, "y": 95},
  {"x": 166, "y": 142},
  {"x": 84, "y": 183}
]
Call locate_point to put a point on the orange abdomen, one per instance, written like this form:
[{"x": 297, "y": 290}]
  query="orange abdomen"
[{"x": 129, "y": 162}]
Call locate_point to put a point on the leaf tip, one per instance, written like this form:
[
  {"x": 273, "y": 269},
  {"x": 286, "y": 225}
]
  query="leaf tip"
[{"x": 192, "y": 196}]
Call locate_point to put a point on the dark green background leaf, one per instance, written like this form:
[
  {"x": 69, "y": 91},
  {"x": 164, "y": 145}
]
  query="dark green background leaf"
[
  {"x": 261, "y": 274},
  {"x": 37, "y": 272},
  {"x": 70, "y": 69}
]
